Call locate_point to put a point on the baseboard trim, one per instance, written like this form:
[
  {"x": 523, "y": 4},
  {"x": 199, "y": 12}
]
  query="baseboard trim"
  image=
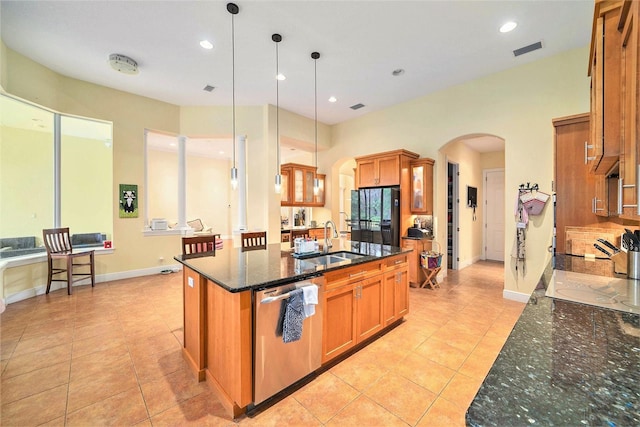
[
  {"x": 515, "y": 296},
  {"x": 100, "y": 278}
]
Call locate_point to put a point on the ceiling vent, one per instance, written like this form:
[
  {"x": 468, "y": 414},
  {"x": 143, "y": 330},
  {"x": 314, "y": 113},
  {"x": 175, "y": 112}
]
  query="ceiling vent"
[
  {"x": 357, "y": 106},
  {"x": 209, "y": 88},
  {"x": 123, "y": 64},
  {"x": 527, "y": 49}
]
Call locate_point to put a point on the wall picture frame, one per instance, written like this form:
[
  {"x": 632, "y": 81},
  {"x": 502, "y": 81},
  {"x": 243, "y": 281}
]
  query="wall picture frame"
[{"x": 128, "y": 200}]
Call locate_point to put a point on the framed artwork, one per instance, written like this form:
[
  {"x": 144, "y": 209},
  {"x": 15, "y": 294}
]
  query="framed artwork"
[{"x": 128, "y": 195}]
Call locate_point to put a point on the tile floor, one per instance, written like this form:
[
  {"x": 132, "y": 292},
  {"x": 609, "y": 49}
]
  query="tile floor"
[{"x": 111, "y": 355}]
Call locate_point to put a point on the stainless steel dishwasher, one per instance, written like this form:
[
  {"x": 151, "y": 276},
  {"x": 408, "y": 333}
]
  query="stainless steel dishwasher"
[{"x": 277, "y": 365}]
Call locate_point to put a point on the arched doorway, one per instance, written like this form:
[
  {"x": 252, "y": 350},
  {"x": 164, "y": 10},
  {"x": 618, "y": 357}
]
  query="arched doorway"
[{"x": 471, "y": 228}]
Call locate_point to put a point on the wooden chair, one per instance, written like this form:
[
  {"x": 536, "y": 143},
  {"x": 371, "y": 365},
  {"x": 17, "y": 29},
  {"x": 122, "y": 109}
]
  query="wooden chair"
[
  {"x": 199, "y": 246},
  {"x": 255, "y": 240},
  {"x": 298, "y": 233},
  {"x": 58, "y": 245}
]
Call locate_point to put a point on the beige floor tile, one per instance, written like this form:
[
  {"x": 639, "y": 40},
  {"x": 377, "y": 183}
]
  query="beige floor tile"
[
  {"x": 461, "y": 390},
  {"x": 443, "y": 414},
  {"x": 126, "y": 408},
  {"x": 52, "y": 339},
  {"x": 325, "y": 396},
  {"x": 201, "y": 410},
  {"x": 92, "y": 364},
  {"x": 403, "y": 398},
  {"x": 34, "y": 382},
  {"x": 29, "y": 362},
  {"x": 102, "y": 385},
  {"x": 424, "y": 372},
  {"x": 157, "y": 365},
  {"x": 287, "y": 412},
  {"x": 98, "y": 343},
  {"x": 360, "y": 371},
  {"x": 167, "y": 391},
  {"x": 442, "y": 353},
  {"x": 365, "y": 412},
  {"x": 35, "y": 409}
]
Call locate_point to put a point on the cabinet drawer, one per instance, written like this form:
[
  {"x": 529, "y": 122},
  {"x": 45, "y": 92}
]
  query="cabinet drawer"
[
  {"x": 357, "y": 272},
  {"x": 396, "y": 261}
]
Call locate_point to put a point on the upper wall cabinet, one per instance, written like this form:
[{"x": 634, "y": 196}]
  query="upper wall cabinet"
[
  {"x": 628, "y": 186},
  {"x": 422, "y": 186},
  {"x": 382, "y": 169},
  {"x": 605, "y": 74},
  {"x": 297, "y": 186}
]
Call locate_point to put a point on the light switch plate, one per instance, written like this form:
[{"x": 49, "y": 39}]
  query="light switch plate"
[{"x": 190, "y": 281}]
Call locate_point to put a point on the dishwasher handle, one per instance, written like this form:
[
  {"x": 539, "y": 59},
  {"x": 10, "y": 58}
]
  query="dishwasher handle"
[{"x": 280, "y": 297}]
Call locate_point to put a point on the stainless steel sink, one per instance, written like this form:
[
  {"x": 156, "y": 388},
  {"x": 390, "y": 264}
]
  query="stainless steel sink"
[{"x": 332, "y": 259}]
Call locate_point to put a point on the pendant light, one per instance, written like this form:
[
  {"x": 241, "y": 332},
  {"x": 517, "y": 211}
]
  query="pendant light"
[
  {"x": 315, "y": 56},
  {"x": 233, "y": 9},
  {"x": 277, "y": 38}
]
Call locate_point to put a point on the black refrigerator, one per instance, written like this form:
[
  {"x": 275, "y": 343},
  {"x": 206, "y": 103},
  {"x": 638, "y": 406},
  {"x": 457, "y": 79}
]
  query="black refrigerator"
[{"x": 375, "y": 215}]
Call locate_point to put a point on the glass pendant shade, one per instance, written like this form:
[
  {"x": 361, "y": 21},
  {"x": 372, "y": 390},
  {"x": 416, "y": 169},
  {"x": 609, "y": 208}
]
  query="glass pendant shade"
[
  {"x": 234, "y": 177},
  {"x": 316, "y": 186},
  {"x": 278, "y": 183}
]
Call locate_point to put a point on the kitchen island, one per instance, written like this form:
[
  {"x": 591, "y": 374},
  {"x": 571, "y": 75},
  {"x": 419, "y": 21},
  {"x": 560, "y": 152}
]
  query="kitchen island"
[
  {"x": 564, "y": 363},
  {"x": 360, "y": 298}
]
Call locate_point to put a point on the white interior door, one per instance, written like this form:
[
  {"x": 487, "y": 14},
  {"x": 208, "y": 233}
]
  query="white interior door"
[{"x": 494, "y": 214}]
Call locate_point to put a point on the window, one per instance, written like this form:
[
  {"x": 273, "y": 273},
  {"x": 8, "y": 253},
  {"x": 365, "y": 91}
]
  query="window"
[
  {"x": 47, "y": 182},
  {"x": 206, "y": 189}
]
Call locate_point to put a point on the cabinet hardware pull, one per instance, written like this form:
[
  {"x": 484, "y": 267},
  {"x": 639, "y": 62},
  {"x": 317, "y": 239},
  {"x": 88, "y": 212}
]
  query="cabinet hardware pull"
[
  {"x": 586, "y": 155},
  {"x": 593, "y": 205},
  {"x": 621, "y": 186},
  {"x": 358, "y": 273},
  {"x": 400, "y": 261}
]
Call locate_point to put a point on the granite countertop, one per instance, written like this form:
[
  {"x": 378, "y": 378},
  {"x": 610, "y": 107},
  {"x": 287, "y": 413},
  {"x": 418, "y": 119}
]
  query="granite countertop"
[
  {"x": 238, "y": 271},
  {"x": 564, "y": 363}
]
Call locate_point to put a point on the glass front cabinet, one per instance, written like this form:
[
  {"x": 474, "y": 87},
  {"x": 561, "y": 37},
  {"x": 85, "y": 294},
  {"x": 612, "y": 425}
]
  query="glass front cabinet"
[
  {"x": 422, "y": 186},
  {"x": 297, "y": 186}
]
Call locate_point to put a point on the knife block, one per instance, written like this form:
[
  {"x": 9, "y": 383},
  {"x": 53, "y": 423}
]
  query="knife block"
[{"x": 619, "y": 262}]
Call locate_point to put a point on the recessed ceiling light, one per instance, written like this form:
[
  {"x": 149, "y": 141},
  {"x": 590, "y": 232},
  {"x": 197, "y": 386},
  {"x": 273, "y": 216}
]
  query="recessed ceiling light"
[
  {"x": 220, "y": 152},
  {"x": 333, "y": 99},
  {"x": 172, "y": 144},
  {"x": 281, "y": 77},
  {"x": 509, "y": 26},
  {"x": 397, "y": 72},
  {"x": 206, "y": 44}
]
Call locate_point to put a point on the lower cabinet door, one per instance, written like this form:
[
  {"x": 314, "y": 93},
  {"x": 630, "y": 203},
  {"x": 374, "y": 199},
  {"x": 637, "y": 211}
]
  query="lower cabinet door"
[
  {"x": 369, "y": 307},
  {"x": 389, "y": 298},
  {"x": 339, "y": 329},
  {"x": 401, "y": 282}
]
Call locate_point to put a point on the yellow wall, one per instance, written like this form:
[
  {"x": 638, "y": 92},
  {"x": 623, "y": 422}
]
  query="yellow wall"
[
  {"x": 493, "y": 160},
  {"x": 470, "y": 169},
  {"x": 516, "y": 105}
]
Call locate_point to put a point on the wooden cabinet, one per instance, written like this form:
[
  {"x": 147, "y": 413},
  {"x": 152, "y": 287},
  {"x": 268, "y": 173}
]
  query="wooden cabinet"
[
  {"x": 605, "y": 64},
  {"x": 360, "y": 301},
  {"x": 413, "y": 260},
  {"x": 297, "y": 186},
  {"x": 194, "y": 291},
  {"x": 574, "y": 184},
  {"x": 395, "y": 292},
  {"x": 422, "y": 186},
  {"x": 352, "y": 308},
  {"x": 630, "y": 73},
  {"x": 382, "y": 169}
]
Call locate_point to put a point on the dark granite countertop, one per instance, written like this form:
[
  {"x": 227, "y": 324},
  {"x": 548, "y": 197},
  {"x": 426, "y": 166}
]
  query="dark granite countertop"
[
  {"x": 565, "y": 364},
  {"x": 238, "y": 271}
]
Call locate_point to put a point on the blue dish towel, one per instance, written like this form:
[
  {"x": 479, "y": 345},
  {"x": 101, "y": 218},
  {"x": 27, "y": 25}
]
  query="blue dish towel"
[{"x": 293, "y": 317}]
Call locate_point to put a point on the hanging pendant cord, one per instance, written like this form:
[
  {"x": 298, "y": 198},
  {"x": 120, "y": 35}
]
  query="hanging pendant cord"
[
  {"x": 233, "y": 86},
  {"x": 278, "y": 107},
  {"x": 315, "y": 100}
]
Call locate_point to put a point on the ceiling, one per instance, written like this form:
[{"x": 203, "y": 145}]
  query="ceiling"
[{"x": 437, "y": 43}]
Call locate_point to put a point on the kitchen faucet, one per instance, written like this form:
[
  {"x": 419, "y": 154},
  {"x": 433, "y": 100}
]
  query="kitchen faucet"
[{"x": 327, "y": 241}]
